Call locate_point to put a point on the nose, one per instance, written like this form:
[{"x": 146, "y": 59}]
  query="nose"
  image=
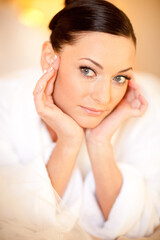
[{"x": 101, "y": 91}]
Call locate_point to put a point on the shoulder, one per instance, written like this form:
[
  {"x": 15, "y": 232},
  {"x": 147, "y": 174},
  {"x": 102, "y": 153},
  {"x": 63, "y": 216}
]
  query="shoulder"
[
  {"x": 17, "y": 83},
  {"x": 150, "y": 86},
  {"x": 19, "y": 77}
]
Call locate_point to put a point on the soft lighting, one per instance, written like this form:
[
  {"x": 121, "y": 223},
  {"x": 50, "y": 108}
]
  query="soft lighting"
[
  {"x": 37, "y": 13},
  {"x": 32, "y": 17}
]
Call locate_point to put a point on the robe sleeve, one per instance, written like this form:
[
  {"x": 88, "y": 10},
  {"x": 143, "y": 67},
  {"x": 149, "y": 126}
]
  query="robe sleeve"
[
  {"x": 136, "y": 211},
  {"x": 28, "y": 202}
]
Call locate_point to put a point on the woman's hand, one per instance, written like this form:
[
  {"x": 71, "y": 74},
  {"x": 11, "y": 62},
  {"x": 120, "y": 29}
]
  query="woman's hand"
[
  {"x": 66, "y": 129},
  {"x": 107, "y": 175},
  {"x": 133, "y": 104},
  {"x": 70, "y": 135}
]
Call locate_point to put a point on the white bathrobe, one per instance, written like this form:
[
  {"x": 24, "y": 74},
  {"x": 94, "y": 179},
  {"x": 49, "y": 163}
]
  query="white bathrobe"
[{"x": 29, "y": 206}]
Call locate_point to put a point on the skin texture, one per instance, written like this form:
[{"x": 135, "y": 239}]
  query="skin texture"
[
  {"x": 62, "y": 91},
  {"x": 94, "y": 90}
]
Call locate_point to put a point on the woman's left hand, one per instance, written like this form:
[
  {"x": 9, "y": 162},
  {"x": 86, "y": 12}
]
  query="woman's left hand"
[{"x": 133, "y": 104}]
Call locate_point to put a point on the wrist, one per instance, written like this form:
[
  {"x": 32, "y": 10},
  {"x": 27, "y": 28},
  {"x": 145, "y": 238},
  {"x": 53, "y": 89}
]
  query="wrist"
[
  {"x": 99, "y": 149},
  {"x": 70, "y": 144},
  {"x": 96, "y": 139},
  {"x": 99, "y": 142},
  {"x": 100, "y": 153},
  {"x": 73, "y": 137}
]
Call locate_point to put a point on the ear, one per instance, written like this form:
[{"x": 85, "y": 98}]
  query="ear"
[{"x": 47, "y": 55}]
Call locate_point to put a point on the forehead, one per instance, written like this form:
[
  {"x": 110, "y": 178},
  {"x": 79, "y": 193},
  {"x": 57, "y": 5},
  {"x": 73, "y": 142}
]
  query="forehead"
[{"x": 107, "y": 49}]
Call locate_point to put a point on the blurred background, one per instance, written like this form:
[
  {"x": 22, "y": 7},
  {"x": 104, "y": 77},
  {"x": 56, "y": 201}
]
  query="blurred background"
[{"x": 24, "y": 28}]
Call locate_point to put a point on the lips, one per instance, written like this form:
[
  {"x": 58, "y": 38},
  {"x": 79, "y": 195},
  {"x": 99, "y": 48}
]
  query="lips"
[{"x": 93, "y": 111}]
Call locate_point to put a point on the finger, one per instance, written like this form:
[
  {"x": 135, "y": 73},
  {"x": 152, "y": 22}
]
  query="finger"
[
  {"x": 140, "y": 106},
  {"x": 144, "y": 102},
  {"x": 46, "y": 76},
  {"x": 42, "y": 82},
  {"x": 139, "y": 102},
  {"x": 137, "y": 93},
  {"x": 130, "y": 96},
  {"x": 39, "y": 91},
  {"x": 135, "y": 103},
  {"x": 40, "y": 87},
  {"x": 135, "y": 88},
  {"x": 50, "y": 85},
  {"x": 48, "y": 92},
  {"x": 134, "y": 85}
]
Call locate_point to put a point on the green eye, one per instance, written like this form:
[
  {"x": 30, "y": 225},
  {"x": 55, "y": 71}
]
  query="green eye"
[
  {"x": 121, "y": 79},
  {"x": 86, "y": 71}
]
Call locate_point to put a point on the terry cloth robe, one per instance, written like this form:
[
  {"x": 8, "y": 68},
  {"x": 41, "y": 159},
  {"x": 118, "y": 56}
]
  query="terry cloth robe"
[{"x": 29, "y": 206}]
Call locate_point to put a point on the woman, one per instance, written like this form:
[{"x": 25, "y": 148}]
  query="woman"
[{"x": 87, "y": 94}]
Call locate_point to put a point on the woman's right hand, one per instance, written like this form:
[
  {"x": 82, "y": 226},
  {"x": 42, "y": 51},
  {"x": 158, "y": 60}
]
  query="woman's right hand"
[{"x": 66, "y": 129}]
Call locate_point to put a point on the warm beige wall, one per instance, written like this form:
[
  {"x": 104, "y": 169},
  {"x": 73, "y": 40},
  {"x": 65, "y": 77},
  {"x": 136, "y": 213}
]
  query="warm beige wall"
[{"x": 145, "y": 17}]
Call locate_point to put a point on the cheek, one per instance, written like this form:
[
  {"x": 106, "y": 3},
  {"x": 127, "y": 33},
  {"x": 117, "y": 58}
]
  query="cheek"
[
  {"x": 118, "y": 94},
  {"x": 65, "y": 91},
  {"x": 61, "y": 90}
]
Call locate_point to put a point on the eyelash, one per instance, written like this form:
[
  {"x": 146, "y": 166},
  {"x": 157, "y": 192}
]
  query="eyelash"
[
  {"x": 88, "y": 68},
  {"x": 126, "y": 78}
]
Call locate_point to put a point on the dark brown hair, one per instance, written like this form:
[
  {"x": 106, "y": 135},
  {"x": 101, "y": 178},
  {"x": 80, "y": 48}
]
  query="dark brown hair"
[{"x": 88, "y": 15}]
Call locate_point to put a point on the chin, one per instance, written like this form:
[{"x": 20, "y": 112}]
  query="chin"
[{"x": 87, "y": 123}]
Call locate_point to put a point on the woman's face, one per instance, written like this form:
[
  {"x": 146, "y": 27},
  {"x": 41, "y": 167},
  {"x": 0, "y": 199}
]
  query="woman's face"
[{"x": 93, "y": 76}]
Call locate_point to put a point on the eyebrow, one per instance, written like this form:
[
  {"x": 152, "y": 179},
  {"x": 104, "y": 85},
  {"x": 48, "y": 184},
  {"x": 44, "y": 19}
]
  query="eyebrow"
[
  {"x": 125, "y": 70},
  {"x": 97, "y": 64},
  {"x": 100, "y": 66}
]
